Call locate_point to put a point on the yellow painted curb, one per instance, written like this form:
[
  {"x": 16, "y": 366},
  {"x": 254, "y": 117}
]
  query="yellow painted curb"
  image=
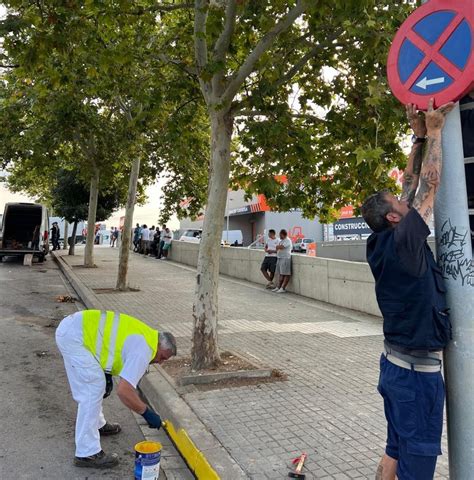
[{"x": 194, "y": 457}]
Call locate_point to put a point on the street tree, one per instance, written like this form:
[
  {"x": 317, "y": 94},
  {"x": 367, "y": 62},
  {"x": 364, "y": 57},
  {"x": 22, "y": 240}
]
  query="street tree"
[
  {"x": 70, "y": 200},
  {"x": 292, "y": 88}
]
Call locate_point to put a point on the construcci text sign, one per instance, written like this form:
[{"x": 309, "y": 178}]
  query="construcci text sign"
[{"x": 351, "y": 226}]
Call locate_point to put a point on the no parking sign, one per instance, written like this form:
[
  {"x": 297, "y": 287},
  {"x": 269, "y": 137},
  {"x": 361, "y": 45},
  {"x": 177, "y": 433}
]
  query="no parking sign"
[{"x": 432, "y": 54}]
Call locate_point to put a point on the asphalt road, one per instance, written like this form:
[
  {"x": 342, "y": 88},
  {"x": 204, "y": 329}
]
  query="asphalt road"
[{"x": 37, "y": 412}]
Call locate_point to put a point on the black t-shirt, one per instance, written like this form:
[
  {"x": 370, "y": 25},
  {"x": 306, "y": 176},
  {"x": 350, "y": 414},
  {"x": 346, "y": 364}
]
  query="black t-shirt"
[{"x": 410, "y": 237}]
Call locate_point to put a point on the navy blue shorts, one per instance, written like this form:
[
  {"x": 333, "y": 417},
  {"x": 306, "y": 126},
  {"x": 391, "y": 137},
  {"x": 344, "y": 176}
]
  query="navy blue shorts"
[{"x": 413, "y": 403}]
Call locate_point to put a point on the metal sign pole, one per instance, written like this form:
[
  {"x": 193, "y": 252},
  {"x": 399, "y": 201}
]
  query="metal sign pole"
[{"x": 454, "y": 252}]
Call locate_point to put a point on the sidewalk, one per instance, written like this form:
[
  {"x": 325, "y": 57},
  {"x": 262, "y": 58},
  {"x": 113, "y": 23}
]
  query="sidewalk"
[{"x": 328, "y": 408}]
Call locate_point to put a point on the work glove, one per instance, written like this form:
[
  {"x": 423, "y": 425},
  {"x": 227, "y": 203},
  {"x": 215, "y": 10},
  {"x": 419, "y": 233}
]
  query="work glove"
[
  {"x": 109, "y": 385},
  {"x": 152, "y": 418}
]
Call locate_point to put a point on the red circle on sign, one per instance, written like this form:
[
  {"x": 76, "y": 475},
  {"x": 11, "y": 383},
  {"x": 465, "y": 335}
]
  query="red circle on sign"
[{"x": 462, "y": 79}]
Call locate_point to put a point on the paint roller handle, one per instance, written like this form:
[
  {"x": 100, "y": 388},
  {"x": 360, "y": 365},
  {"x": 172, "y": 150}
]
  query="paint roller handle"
[{"x": 152, "y": 418}]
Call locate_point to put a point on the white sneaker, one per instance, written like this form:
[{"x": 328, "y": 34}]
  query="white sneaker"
[
  {"x": 281, "y": 290},
  {"x": 276, "y": 289},
  {"x": 270, "y": 285}
]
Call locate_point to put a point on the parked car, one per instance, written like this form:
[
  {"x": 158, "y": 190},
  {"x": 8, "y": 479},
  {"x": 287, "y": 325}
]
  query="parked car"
[
  {"x": 301, "y": 245},
  {"x": 25, "y": 230},
  {"x": 191, "y": 235}
]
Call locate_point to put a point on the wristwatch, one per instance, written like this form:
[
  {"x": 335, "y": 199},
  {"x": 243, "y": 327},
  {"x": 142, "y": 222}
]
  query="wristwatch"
[{"x": 415, "y": 139}]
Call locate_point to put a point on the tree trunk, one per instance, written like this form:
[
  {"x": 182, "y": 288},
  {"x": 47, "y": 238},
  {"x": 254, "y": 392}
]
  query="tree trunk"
[
  {"x": 205, "y": 351},
  {"x": 127, "y": 227},
  {"x": 91, "y": 216},
  {"x": 73, "y": 238},
  {"x": 65, "y": 233}
]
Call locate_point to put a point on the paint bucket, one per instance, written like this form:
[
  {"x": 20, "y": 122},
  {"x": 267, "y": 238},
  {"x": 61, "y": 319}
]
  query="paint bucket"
[{"x": 147, "y": 460}]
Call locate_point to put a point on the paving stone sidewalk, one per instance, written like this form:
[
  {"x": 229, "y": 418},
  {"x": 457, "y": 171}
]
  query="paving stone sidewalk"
[{"x": 328, "y": 408}]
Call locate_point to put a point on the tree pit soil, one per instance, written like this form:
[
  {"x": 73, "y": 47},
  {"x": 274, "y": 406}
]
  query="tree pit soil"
[
  {"x": 180, "y": 367},
  {"x": 114, "y": 290}
]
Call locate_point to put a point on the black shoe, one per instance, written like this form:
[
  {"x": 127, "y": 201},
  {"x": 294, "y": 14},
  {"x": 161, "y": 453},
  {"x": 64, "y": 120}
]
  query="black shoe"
[
  {"x": 99, "y": 460},
  {"x": 110, "y": 429}
]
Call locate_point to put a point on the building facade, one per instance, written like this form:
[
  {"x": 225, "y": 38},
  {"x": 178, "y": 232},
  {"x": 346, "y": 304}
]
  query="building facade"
[{"x": 253, "y": 217}]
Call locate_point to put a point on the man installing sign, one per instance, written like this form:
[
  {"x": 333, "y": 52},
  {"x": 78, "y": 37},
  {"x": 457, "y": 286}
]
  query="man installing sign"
[{"x": 411, "y": 296}]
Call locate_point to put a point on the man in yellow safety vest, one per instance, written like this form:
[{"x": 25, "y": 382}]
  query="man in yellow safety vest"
[{"x": 94, "y": 343}]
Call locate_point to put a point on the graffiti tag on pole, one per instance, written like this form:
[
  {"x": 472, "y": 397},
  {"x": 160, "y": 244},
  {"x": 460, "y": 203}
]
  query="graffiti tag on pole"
[{"x": 454, "y": 264}]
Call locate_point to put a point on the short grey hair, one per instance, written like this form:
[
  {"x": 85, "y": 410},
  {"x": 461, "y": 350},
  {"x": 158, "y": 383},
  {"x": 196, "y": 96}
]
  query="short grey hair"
[
  {"x": 375, "y": 209},
  {"x": 166, "y": 341}
]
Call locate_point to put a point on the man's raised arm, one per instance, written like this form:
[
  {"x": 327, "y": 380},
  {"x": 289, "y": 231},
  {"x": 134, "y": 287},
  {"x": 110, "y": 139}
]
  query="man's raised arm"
[
  {"x": 411, "y": 174},
  {"x": 430, "y": 175}
]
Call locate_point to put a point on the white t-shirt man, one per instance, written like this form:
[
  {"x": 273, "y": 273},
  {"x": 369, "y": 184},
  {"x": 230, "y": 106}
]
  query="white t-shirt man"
[
  {"x": 286, "y": 251},
  {"x": 271, "y": 245},
  {"x": 145, "y": 234},
  {"x": 167, "y": 237}
]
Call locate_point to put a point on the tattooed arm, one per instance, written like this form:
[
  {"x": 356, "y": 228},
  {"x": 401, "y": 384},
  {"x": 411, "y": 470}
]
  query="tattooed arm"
[
  {"x": 430, "y": 175},
  {"x": 411, "y": 175}
]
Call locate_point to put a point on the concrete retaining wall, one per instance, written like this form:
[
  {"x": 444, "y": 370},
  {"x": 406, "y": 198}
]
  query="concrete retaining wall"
[
  {"x": 352, "y": 250},
  {"x": 339, "y": 282}
]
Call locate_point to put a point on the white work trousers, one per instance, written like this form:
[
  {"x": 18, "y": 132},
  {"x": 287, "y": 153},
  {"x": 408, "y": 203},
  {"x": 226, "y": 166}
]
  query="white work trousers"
[{"x": 87, "y": 382}]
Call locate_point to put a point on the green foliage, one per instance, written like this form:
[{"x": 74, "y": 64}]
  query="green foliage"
[
  {"x": 70, "y": 198},
  {"x": 120, "y": 79}
]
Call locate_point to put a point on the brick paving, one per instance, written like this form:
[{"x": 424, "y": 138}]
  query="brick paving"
[{"x": 328, "y": 408}]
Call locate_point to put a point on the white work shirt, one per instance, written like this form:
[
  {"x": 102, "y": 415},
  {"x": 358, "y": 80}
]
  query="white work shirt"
[
  {"x": 286, "y": 252},
  {"x": 136, "y": 355},
  {"x": 271, "y": 245}
]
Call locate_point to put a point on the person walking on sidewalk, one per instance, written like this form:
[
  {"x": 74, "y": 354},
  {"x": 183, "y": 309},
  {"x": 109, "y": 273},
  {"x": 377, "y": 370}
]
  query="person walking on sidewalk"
[
  {"x": 95, "y": 346},
  {"x": 55, "y": 234},
  {"x": 137, "y": 235},
  {"x": 270, "y": 261},
  {"x": 412, "y": 298},
  {"x": 283, "y": 266}
]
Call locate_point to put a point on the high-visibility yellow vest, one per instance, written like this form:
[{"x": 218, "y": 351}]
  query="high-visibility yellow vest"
[{"x": 104, "y": 334}]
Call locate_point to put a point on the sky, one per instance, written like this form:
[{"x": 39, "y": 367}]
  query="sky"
[{"x": 147, "y": 213}]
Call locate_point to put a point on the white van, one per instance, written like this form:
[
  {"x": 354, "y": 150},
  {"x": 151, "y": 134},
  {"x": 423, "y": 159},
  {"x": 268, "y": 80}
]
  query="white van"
[
  {"x": 25, "y": 229},
  {"x": 233, "y": 238},
  {"x": 191, "y": 235}
]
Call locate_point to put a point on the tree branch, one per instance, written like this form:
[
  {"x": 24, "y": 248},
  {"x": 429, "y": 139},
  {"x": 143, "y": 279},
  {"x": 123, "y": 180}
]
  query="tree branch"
[
  {"x": 262, "y": 46},
  {"x": 178, "y": 63},
  {"x": 302, "y": 62},
  {"x": 223, "y": 42},
  {"x": 264, "y": 113},
  {"x": 222, "y": 46},
  {"x": 201, "y": 9},
  {"x": 160, "y": 7}
]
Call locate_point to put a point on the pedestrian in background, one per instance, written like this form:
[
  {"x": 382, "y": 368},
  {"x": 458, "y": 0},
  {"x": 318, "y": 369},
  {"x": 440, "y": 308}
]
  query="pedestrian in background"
[
  {"x": 167, "y": 239},
  {"x": 137, "y": 235},
  {"x": 155, "y": 244},
  {"x": 283, "y": 266},
  {"x": 270, "y": 261},
  {"x": 145, "y": 239},
  {"x": 55, "y": 234},
  {"x": 411, "y": 295},
  {"x": 162, "y": 242},
  {"x": 115, "y": 235}
]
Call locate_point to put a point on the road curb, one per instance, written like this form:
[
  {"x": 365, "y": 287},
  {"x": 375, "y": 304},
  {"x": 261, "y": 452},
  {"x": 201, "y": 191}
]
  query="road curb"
[{"x": 202, "y": 451}]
